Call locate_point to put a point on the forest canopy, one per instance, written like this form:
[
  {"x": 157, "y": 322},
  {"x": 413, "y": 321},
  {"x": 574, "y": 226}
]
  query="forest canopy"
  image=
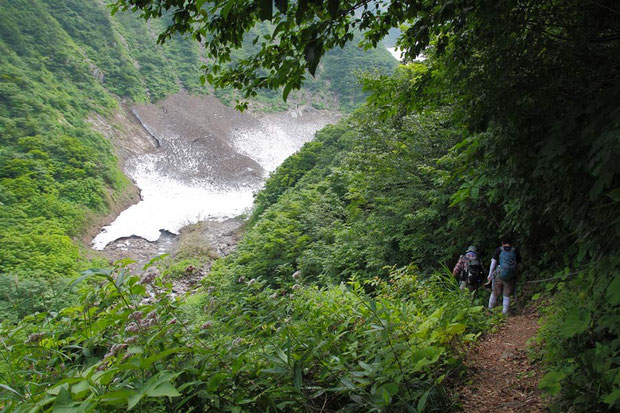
[{"x": 302, "y": 31}]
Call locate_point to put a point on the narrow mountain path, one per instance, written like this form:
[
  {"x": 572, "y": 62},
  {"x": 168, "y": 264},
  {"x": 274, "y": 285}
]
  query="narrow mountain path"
[{"x": 501, "y": 377}]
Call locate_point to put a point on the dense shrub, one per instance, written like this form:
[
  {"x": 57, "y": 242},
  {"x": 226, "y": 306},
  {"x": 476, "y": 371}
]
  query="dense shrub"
[{"x": 251, "y": 347}]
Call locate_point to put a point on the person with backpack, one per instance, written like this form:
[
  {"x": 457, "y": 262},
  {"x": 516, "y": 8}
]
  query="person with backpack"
[
  {"x": 468, "y": 269},
  {"x": 503, "y": 273}
]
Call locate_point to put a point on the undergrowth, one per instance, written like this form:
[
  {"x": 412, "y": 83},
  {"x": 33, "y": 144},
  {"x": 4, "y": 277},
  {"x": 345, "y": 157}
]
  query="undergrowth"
[{"x": 241, "y": 346}]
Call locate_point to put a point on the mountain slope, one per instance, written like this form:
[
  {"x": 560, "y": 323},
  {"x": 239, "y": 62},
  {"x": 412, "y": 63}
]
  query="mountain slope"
[{"x": 62, "y": 61}]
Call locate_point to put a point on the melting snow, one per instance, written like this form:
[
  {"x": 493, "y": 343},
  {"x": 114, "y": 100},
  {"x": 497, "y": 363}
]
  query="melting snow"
[{"x": 170, "y": 203}]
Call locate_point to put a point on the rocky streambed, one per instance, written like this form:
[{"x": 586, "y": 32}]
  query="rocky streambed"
[{"x": 195, "y": 160}]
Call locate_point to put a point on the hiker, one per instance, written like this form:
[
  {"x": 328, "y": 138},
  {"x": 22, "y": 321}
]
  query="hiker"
[
  {"x": 468, "y": 269},
  {"x": 504, "y": 276}
]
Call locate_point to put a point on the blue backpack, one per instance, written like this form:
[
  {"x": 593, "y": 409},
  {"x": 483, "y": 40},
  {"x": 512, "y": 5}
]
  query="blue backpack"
[{"x": 507, "y": 264}]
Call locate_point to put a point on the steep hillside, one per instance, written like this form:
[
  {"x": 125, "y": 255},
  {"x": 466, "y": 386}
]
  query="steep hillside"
[
  {"x": 310, "y": 311},
  {"x": 339, "y": 296},
  {"x": 64, "y": 63},
  {"x": 54, "y": 169}
]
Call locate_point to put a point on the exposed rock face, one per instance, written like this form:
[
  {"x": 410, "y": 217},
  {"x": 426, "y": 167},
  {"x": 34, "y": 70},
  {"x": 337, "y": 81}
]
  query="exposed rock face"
[
  {"x": 127, "y": 134},
  {"x": 195, "y": 136}
]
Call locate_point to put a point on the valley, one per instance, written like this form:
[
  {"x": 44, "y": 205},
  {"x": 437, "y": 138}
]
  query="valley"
[
  {"x": 196, "y": 160},
  {"x": 161, "y": 251}
]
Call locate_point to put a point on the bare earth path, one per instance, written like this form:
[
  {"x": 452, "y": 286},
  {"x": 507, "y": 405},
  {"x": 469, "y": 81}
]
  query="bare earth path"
[{"x": 501, "y": 377}]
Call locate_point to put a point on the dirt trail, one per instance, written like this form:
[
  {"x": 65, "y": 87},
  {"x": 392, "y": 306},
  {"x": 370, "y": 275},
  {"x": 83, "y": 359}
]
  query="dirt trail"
[{"x": 501, "y": 377}]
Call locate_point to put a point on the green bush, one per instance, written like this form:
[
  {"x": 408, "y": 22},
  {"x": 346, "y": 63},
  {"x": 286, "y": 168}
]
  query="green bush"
[
  {"x": 24, "y": 296},
  {"x": 183, "y": 267},
  {"x": 580, "y": 333},
  {"x": 255, "y": 349}
]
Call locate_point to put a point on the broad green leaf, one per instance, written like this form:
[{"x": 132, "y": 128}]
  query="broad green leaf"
[
  {"x": 215, "y": 381},
  {"x": 124, "y": 262},
  {"x": 387, "y": 392},
  {"x": 5, "y": 387},
  {"x": 385, "y": 395},
  {"x": 287, "y": 90},
  {"x": 422, "y": 402},
  {"x": 576, "y": 322},
  {"x": 612, "y": 294},
  {"x": 455, "y": 329},
  {"x": 134, "y": 399},
  {"x": 64, "y": 403},
  {"x": 135, "y": 350},
  {"x": 117, "y": 397},
  {"x": 426, "y": 356},
  {"x": 80, "y": 389},
  {"x": 138, "y": 289},
  {"x": 551, "y": 382},
  {"x": 159, "y": 385},
  {"x": 312, "y": 53},
  {"x": 282, "y": 355},
  {"x": 614, "y": 195},
  {"x": 120, "y": 278},
  {"x": 297, "y": 379},
  {"x": 366, "y": 366},
  {"x": 612, "y": 398},
  {"x": 475, "y": 191},
  {"x": 162, "y": 390},
  {"x": 226, "y": 9},
  {"x": 348, "y": 383},
  {"x": 78, "y": 280}
]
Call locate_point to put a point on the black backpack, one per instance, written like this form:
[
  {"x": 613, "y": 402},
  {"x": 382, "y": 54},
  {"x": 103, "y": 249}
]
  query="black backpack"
[{"x": 473, "y": 271}]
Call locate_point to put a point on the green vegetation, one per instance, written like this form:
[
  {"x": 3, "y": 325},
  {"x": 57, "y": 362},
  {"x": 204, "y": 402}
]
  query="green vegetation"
[
  {"x": 193, "y": 256},
  {"x": 270, "y": 49},
  {"x": 336, "y": 84},
  {"x": 332, "y": 299},
  {"x": 353, "y": 201},
  {"x": 60, "y": 62},
  {"x": 242, "y": 347},
  {"x": 53, "y": 169},
  {"x": 344, "y": 333},
  {"x": 531, "y": 88},
  {"x": 341, "y": 69}
]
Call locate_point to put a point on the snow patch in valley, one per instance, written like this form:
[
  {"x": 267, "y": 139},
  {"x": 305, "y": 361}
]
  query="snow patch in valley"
[
  {"x": 170, "y": 204},
  {"x": 173, "y": 196},
  {"x": 275, "y": 141}
]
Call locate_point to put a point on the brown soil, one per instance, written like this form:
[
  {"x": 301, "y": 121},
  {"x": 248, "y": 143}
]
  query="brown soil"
[
  {"x": 118, "y": 203},
  {"x": 501, "y": 377},
  {"x": 129, "y": 139}
]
